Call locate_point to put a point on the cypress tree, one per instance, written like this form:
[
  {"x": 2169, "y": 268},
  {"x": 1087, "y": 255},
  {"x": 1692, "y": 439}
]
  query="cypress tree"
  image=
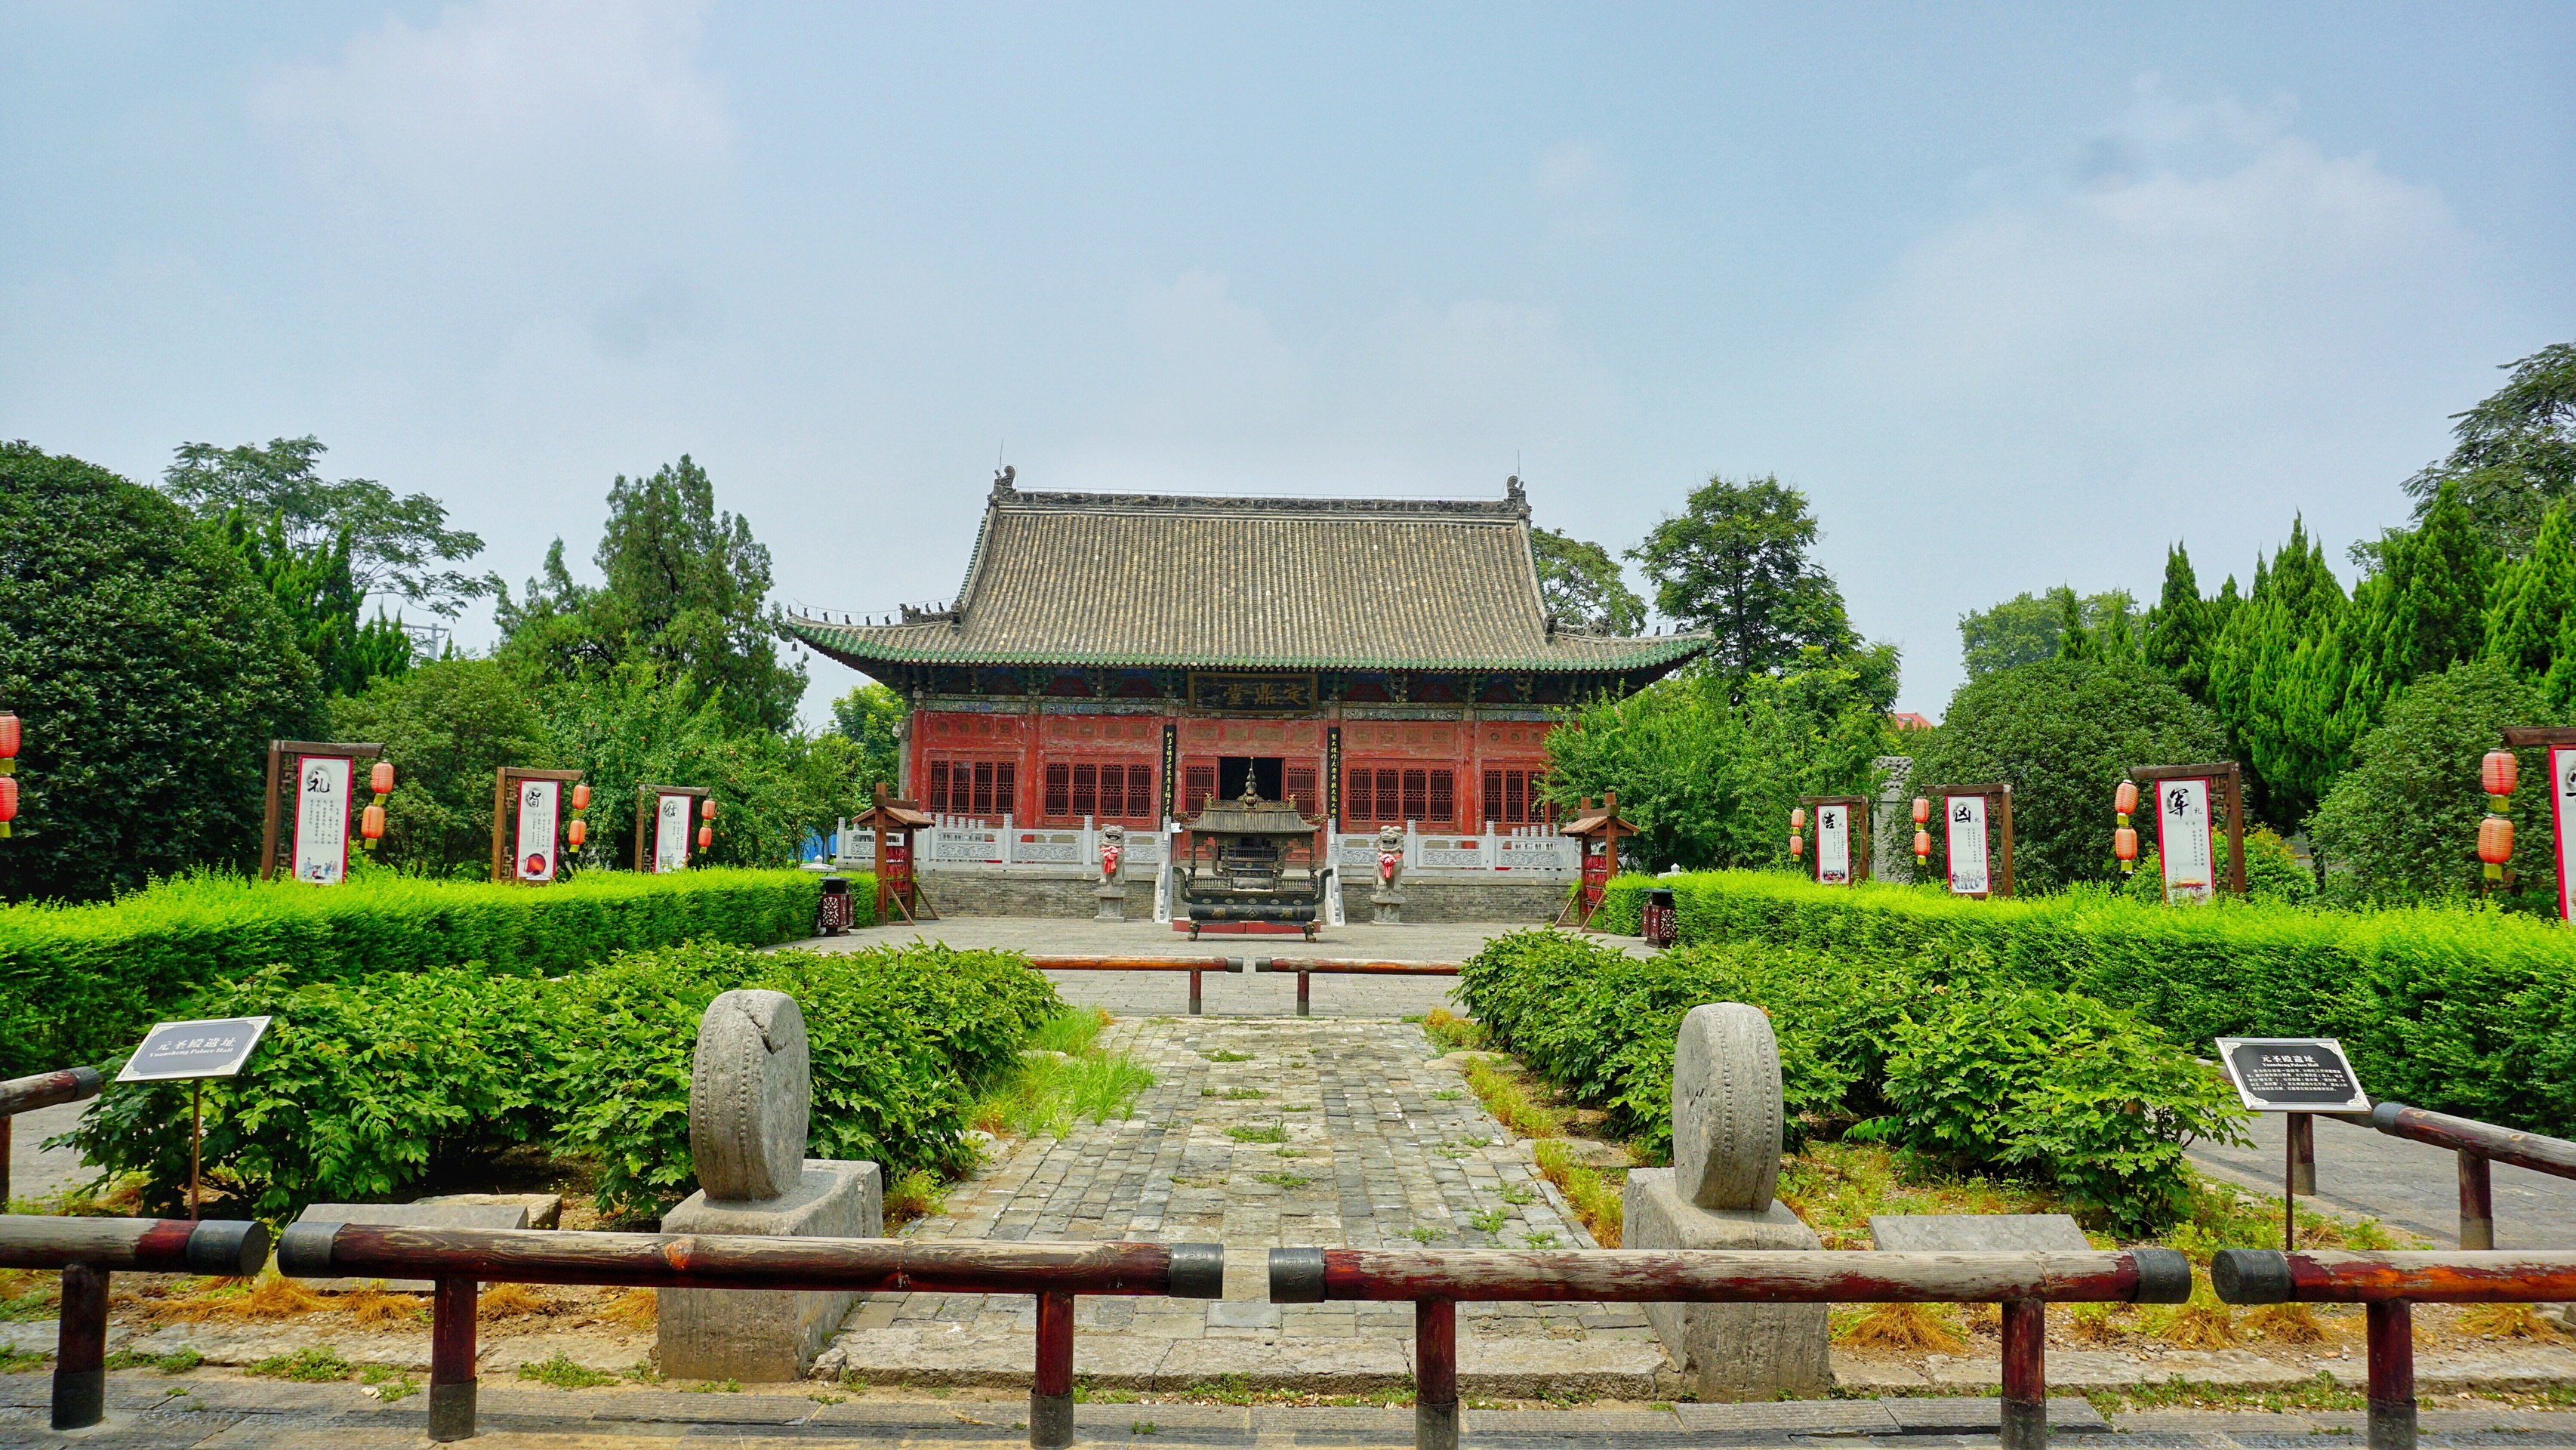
[
  {"x": 2533, "y": 599},
  {"x": 2178, "y": 628}
]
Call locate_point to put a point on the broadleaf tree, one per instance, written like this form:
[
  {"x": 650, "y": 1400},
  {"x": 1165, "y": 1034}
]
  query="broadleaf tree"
[
  {"x": 1581, "y": 585},
  {"x": 397, "y": 544},
  {"x": 1735, "y": 562}
]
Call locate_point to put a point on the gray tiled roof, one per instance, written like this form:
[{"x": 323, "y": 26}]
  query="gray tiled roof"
[{"x": 1176, "y": 582}]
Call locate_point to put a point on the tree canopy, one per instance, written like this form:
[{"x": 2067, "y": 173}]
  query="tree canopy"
[
  {"x": 2514, "y": 454},
  {"x": 394, "y": 545},
  {"x": 151, "y": 671},
  {"x": 2028, "y": 628},
  {"x": 1734, "y": 562},
  {"x": 685, "y": 589},
  {"x": 1581, "y": 586}
]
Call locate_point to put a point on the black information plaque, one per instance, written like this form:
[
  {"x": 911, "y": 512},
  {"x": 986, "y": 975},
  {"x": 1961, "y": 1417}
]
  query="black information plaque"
[
  {"x": 2292, "y": 1075},
  {"x": 216, "y": 1047}
]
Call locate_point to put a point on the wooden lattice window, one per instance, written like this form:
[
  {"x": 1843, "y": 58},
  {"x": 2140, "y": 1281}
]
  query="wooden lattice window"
[
  {"x": 1396, "y": 795},
  {"x": 1512, "y": 797},
  {"x": 1198, "y": 784},
  {"x": 973, "y": 787},
  {"x": 1085, "y": 789},
  {"x": 1297, "y": 783}
]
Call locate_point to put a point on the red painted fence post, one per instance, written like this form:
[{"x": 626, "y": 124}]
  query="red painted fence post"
[
  {"x": 2025, "y": 1407},
  {"x": 80, "y": 1348},
  {"x": 2477, "y": 1202},
  {"x": 2390, "y": 1326},
  {"x": 1435, "y": 1374},
  {"x": 1051, "y": 1388},
  {"x": 451, "y": 1359}
]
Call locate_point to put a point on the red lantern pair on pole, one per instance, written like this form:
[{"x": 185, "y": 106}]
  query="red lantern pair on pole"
[
  {"x": 1797, "y": 823},
  {"x": 1922, "y": 831},
  {"x": 2124, "y": 841},
  {"x": 707, "y": 832},
  {"x": 8, "y": 772},
  {"x": 371, "y": 821},
  {"x": 2499, "y": 772},
  {"x": 577, "y": 830}
]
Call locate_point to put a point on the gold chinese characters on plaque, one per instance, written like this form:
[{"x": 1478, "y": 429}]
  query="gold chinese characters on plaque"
[{"x": 1263, "y": 694}]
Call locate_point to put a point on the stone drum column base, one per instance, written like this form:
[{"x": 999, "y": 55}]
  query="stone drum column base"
[
  {"x": 1730, "y": 1351},
  {"x": 768, "y": 1335}
]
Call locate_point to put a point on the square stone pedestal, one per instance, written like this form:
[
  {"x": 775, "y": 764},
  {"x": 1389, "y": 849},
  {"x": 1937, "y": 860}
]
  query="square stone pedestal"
[
  {"x": 767, "y": 1335},
  {"x": 1730, "y": 1351}
]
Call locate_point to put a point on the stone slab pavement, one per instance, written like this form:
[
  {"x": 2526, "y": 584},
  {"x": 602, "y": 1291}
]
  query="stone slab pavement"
[
  {"x": 1256, "y": 994},
  {"x": 2408, "y": 1185},
  {"x": 1259, "y": 1133},
  {"x": 147, "y": 1409}
]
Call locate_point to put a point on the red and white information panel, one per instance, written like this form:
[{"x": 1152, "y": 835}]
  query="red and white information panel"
[
  {"x": 1965, "y": 818},
  {"x": 2182, "y": 839},
  {"x": 322, "y": 818},
  {"x": 671, "y": 833},
  {"x": 1833, "y": 845},
  {"x": 536, "y": 856},
  {"x": 2562, "y": 824}
]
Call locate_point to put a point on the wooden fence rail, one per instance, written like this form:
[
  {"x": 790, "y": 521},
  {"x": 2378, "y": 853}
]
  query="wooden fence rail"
[
  {"x": 44, "y": 1090},
  {"x": 1195, "y": 966},
  {"x": 1438, "y": 1280},
  {"x": 87, "y": 1251},
  {"x": 2387, "y": 1285},
  {"x": 2477, "y": 1144}
]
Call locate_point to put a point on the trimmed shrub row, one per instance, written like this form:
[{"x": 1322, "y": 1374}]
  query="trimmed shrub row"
[
  {"x": 1979, "y": 1071},
  {"x": 78, "y": 983},
  {"x": 365, "y": 1087},
  {"x": 2464, "y": 1010}
]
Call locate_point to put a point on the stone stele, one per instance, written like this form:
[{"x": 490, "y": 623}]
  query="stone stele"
[
  {"x": 749, "y": 1099},
  {"x": 1718, "y": 1195}
]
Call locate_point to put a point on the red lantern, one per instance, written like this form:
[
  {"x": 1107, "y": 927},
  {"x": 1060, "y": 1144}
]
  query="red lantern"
[
  {"x": 2498, "y": 771},
  {"x": 706, "y": 837},
  {"x": 371, "y": 823},
  {"x": 1796, "y": 844},
  {"x": 1922, "y": 844},
  {"x": 2124, "y": 844},
  {"x": 576, "y": 832},
  {"x": 2125, "y": 799},
  {"x": 580, "y": 798},
  {"x": 1922, "y": 810},
  {"x": 8, "y": 737},
  {"x": 8, "y": 799},
  {"x": 2495, "y": 840},
  {"x": 381, "y": 778},
  {"x": 707, "y": 808},
  {"x": 1797, "y": 822}
]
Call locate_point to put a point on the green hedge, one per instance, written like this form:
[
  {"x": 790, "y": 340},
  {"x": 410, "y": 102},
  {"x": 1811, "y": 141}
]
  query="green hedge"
[
  {"x": 1978, "y": 1070},
  {"x": 365, "y": 1088},
  {"x": 2464, "y": 1010},
  {"x": 80, "y": 983}
]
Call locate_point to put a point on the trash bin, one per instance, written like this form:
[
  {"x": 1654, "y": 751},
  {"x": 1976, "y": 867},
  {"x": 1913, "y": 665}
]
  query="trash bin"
[
  {"x": 834, "y": 917},
  {"x": 1659, "y": 926}
]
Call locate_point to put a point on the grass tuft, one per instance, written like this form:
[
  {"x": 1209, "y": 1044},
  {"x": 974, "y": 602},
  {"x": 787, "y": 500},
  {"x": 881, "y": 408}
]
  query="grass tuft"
[
  {"x": 2505, "y": 1321},
  {"x": 1258, "y": 1132},
  {"x": 513, "y": 1301},
  {"x": 1904, "y": 1327},
  {"x": 562, "y": 1373},
  {"x": 313, "y": 1364},
  {"x": 1591, "y": 1196}
]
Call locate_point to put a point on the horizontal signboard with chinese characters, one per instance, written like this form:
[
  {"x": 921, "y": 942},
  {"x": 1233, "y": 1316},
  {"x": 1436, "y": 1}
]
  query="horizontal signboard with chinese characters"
[
  {"x": 1261, "y": 694},
  {"x": 2292, "y": 1075},
  {"x": 215, "y": 1047}
]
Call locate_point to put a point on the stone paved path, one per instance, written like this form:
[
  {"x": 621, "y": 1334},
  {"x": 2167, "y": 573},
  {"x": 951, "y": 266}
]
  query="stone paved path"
[
  {"x": 144, "y": 1411},
  {"x": 1378, "y": 1145}
]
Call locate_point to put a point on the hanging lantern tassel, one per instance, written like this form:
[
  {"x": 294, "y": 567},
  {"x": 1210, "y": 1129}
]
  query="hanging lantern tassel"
[{"x": 2124, "y": 841}]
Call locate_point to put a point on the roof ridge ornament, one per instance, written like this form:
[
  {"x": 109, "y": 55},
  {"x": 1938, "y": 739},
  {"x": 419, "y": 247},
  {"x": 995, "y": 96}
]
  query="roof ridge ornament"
[{"x": 1005, "y": 479}]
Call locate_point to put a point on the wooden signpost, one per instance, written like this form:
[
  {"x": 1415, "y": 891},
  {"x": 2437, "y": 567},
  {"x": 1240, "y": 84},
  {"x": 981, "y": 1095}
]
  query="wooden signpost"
[
  {"x": 1977, "y": 835},
  {"x": 2558, "y": 745},
  {"x": 319, "y": 777},
  {"x": 1599, "y": 828},
  {"x": 2299, "y": 1077},
  {"x": 893, "y": 822},
  {"x": 2184, "y": 798},
  {"x": 1842, "y": 839},
  {"x": 533, "y": 853},
  {"x": 664, "y": 817}
]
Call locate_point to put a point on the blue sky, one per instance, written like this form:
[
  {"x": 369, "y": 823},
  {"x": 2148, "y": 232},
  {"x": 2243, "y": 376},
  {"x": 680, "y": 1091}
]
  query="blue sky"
[{"x": 2015, "y": 295}]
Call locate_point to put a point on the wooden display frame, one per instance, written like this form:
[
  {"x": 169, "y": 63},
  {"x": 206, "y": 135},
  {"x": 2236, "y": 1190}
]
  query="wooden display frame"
[
  {"x": 278, "y": 752},
  {"x": 648, "y": 799},
  {"x": 1600, "y": 829},
  {"x": 2214, "y": 772},
  {"x": 1860, "y": 837},
  {"x": 1998, "y": 798},
  {"x": 2546, "y": 739},
  {"x": 503, "y": 778},
  {"x": 895, "y": 822}
]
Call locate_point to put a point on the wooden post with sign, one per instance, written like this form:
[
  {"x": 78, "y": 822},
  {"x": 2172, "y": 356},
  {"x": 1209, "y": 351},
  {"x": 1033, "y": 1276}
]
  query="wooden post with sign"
[
  {"x": 2222, "y": 777},
  {"x": 893, "y": 822},
  {"x": 1599, "y": 829},
  {"x": 2557, "y": 745},
  {"x": 1855, "y": 839},
  {"x": 1991, "y": 821},
  {"x": 2300, "y": 1077},
  {"x": 648, "y": 819},
  {"x": 282, "y": 780},
  {"x": 507, "y": 782}
]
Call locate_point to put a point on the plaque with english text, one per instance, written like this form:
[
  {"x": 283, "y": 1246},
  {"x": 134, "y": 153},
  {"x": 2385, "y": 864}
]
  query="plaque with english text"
[{"x": 2292, "y": 1075}]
